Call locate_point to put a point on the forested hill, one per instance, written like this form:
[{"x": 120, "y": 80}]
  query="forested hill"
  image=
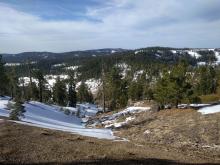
[
  {"x": 37, "y": 56},
  {"x": 89, "y": 63}
]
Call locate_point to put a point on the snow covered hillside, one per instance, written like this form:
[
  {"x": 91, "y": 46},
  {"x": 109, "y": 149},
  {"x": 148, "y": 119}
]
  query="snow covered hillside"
[
  {"x": 46, "y": 116},
  {"x": 93, "y": 84}
]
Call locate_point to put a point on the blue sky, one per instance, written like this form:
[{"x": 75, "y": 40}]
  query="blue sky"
[{"x": 66, "y": 25}]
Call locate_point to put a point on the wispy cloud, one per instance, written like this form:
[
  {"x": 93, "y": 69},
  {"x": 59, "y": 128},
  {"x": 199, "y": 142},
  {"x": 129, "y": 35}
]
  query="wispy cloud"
[{"x": 113, "y": 23}]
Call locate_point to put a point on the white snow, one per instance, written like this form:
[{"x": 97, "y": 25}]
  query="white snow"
[
  {"x": 3, "y": 107},
  {"x": 51, "y": 79},
  {"x": 124, "y": 68},
  {"x": 113, "y": 51},
  {"x": 193, "y": 53},
  {"x": 93, "y": 85},
  {"x": 137, "y": 74},
  {"x": 72, "y": 68},
  {"x": 138, "y": 51},
  {"x": 217, "y": 55},
  {"x": 12, "y": 64},
  {"x": 46, "y": 116},
  {"x": 129, "y": 110},
  {"x": 59, "y": 65},
  {"x": 192, "y": 105},
  {"x": 210, "y": 110},
  {"x": 26, "y": 80},
  {"x": 110, "y": 121},
  {"x": 119, "y": 124},
  {"x": 201, "y": 63},
  {"x": 174, "y": 51}
]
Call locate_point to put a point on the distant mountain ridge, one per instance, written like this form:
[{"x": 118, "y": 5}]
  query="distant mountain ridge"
[
  {"x": 35, "y": 56},
  {"x": 156, "y": 51}
]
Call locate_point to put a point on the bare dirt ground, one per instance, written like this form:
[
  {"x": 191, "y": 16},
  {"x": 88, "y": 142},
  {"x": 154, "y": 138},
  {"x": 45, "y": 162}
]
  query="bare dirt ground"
[
  {"x": 186, "y": 130},
  {"x": 166, "y": 137}
]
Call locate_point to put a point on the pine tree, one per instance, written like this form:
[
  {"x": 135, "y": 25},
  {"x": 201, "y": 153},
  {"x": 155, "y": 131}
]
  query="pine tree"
[
  {"x": 14, "y": 86},
  {"x": 3, "y": 78},
  {"x": 116, "y": 90},
  {"x": 72, "y": 95},
  {"x": 41, "y": 83},
  {"x": 59, "y": 92},
  {"x": 173, "y": 86},
  {"x": 33, "y": 92},
  {"x": 83, "y": 94},
  {"x": 207, "y": 80}
]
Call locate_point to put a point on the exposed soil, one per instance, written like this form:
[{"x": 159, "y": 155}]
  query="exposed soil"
[
  {"x": 166, "y": 137},
  {"x": 185, "y": 129}
]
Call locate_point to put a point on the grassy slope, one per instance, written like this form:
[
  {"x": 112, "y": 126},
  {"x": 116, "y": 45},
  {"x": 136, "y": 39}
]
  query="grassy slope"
[
  {"x": 194, "y": 134},
  {"x": 25, "y": 144}
]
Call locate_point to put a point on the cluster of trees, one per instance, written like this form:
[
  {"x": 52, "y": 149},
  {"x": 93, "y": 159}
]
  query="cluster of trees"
[
  {"x": 166, "y": 78},
  {"x": 180, "y": 83},
  {"x": 63, "y": 92}
]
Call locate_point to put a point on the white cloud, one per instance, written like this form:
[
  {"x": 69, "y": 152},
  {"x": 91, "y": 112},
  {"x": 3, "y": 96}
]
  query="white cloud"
[{"x": 123, "y": 23}]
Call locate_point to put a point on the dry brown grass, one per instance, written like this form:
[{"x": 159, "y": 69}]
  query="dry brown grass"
[
  {"x": 27, "y": 145},
  {"x": 184, "y": 129}
]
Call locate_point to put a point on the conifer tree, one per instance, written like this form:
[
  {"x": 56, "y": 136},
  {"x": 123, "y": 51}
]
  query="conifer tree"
[
  {"x": 41, "y": 83},
  {"x": 14, "y": 86},
  {"x": 72, "y": 96},
  {"x": 3, "y": 78},
  {"x": 84, "y": 95},
  {"x": 116, "y": 90},
  {"x": 59, "y": 92},
  {"x": 173, "y": 86},
  {"x": 33, "y": 92},
  {"x": 207, "y": 80}
]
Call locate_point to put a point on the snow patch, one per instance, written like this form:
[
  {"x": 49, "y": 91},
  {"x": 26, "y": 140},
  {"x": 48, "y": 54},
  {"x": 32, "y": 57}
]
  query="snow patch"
[
  {"x": 12, "y": 64},
  {"x": 193, "y": 53},
  {"x": 210, "y": 110},
  {"x": 51, "y": 117}
]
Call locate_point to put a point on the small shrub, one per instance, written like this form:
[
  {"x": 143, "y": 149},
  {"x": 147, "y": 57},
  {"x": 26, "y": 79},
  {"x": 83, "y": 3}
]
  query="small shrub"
[
  {"x": 67, "y": 112},
  {"x": 17, "y": 111}
]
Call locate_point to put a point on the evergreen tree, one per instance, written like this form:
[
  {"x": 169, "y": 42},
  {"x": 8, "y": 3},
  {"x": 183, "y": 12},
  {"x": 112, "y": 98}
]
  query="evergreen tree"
[
  {"x": 116, "y": 90},
  {"x": 207, "y": 78},
  {"x": 173, "y": 86},
  {"x": 41, "y": 83},
  {"x": 135, "y": 91},
  {"x": 83, "y": 94},
  {"x": 14, "y": 86},
  {"x": 59, "y": 92},
  {"x": 162, "y": 93},
  {"x": 3, "y": 78},
  {"x": 33, "y": 92},
  {"x": 72, "y": 96}
]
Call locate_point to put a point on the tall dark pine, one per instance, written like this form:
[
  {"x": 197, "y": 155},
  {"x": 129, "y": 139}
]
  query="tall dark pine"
[
  {"x": 83, "y": 93},
  {"x": 3, "y": 78},
  {"x": 103, "y": 85},
  {"x": 59, "y": 92},
  {"x": 72, "y": 98},
  {"x": 41, "y": 81},
  {"x": 31, "y": 85},
  {"x": 14, "y": 86}
]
